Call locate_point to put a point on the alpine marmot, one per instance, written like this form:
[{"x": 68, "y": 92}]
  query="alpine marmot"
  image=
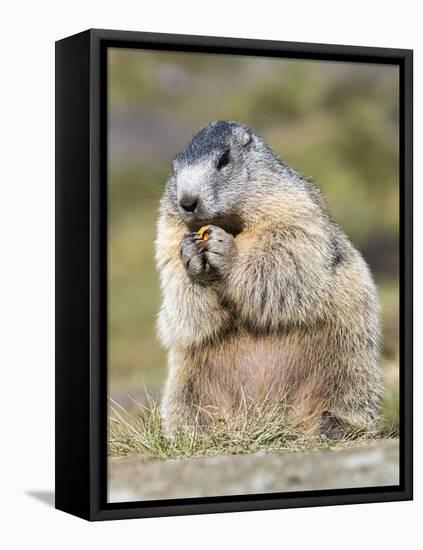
[{"x": 271, "y": 303}]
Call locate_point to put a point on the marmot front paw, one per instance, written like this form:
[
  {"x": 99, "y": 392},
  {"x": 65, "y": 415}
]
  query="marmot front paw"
[
  {"x": 207, "y": 254},
  {"x": 193, "y": 258},
  {"x": 218, "y": 249}
]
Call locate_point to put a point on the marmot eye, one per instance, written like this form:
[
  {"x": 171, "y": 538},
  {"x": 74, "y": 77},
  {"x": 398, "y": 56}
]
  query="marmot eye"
[{"x": 223, "y": 160}]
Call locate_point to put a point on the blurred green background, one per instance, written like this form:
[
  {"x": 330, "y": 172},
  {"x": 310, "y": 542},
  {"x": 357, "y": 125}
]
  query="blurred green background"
[{"x": 337, "y": 123}]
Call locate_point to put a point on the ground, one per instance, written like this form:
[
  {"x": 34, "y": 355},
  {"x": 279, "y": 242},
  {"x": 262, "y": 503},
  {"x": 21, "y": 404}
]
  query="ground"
[
  {"x": 256, "y": 452},
  {"x": 373, "y": 464}
]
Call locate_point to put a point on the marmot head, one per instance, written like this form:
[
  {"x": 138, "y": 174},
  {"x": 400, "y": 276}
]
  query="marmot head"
[{"x": 214, "y": 171}]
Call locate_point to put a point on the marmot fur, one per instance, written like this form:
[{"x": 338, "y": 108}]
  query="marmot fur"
[{"x": 277, "y": 306}]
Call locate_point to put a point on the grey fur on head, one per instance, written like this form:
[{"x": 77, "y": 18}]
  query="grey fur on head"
[
  {"x": 221, "y": 166},
  {"x": 275, "y": 307}
]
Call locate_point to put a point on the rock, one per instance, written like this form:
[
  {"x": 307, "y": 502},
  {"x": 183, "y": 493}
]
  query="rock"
[{"x": 375, "y": 464}]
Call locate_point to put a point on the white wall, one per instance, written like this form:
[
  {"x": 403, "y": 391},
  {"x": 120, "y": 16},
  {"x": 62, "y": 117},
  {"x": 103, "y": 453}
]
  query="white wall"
[{"x": 28, "y": 32}]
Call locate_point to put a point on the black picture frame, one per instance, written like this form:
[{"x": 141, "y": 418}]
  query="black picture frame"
[{"x": 81, "y": 273}]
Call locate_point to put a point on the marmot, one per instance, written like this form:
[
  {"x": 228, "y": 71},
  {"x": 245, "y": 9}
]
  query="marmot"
[{"x": 276, "y": 306}]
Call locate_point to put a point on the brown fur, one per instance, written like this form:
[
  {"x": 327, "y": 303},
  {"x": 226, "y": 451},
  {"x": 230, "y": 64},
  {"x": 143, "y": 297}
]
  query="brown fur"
[{"x": 291, "y": 318}]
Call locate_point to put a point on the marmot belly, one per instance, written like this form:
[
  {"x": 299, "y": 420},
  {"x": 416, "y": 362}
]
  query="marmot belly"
[{"x": 246, "y": 370}]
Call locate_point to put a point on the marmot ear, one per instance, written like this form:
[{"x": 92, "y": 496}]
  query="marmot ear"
[{"x": 245, "y": 137}]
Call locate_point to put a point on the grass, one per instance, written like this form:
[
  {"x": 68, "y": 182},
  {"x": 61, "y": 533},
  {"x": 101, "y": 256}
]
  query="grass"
[
  {"x": 253, "y": 430},
  {"x": 389, "y": 422}
]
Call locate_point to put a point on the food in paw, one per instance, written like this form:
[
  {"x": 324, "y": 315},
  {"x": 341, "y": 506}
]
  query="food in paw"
[
  {"x": 203, "y": 232},
  {"x": 201, "y": 236}
]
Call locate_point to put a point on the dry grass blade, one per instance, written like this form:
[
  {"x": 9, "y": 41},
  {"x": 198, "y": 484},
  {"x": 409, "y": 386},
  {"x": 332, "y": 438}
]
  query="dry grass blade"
[{"x": 254, "y": 429}]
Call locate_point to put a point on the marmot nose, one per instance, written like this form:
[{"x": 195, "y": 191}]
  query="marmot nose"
[{"x": 188, "y": 203}]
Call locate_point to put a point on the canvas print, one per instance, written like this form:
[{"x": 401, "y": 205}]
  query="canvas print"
[{"x": 253, "y": 275}]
